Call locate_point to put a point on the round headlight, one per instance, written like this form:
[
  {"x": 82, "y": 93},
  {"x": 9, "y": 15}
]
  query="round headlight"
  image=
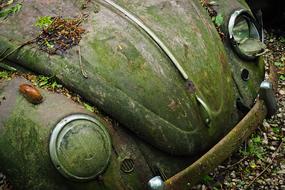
[
  {"x": 245, "y": 36},
  {"x": 80, "y": 147}
]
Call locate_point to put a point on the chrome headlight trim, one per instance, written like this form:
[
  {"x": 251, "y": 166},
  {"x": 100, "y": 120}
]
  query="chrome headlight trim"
[
  {"x": 253, "y": 30},
  {"x": 63, "y": 129}
]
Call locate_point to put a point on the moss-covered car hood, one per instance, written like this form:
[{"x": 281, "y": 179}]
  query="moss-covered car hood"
[{"x": 130, "y": 77}]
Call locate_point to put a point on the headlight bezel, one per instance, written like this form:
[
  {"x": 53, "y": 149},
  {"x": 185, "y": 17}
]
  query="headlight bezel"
[
  {"x": 59, "y": 133},
  {"x": 254, "y": 30}
]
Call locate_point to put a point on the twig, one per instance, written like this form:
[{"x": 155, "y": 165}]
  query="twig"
[
  {"x": 80, "y": 64},
  {"x": 241, "y": 160},
  {"x": 272, "y": 159}
]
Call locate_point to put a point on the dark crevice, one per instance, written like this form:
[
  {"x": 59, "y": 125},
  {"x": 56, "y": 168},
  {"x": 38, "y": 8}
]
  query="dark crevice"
[{"x": 273, "y": 14}]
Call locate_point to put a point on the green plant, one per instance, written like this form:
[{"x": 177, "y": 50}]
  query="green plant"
[
  {"x": 12, "y": 10},
  {"x": 218, "y": 20},
  {"x": 282, "y": 39},
  {"x": 89, "y": 107},
  {"x": 282, "y": 77},
  {"x": 254, "y": 148},
  {"x": 5, "y": 74},
  {"x": 47, "y": 82},
  {"x": 43, "y": 22},
  {"x": 207, "y": 179},
  {"x": 279, "y": 64},
  {"x": 276, "y": 130}
]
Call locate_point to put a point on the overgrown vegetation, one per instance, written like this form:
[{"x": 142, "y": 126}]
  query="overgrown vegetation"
[
  {"x": 254, "y": 148},
  {"x": 58, "y": 34},
  {"x": 7, "y": 8},
  {"x": 5, "y": 74},
  {"x": 43, "y": 22},
  {"x": 47, "y": 82},
  {"x": 217, "y": 18}
]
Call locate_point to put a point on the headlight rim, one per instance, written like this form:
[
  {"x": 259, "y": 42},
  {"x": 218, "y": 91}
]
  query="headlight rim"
[
  {"x": 54, "y": 139},
  {"x": 252, "y": 21}
]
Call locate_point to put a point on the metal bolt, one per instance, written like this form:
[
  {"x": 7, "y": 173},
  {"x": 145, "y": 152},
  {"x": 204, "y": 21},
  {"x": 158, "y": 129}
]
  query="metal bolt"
[{"x": 156, "y": 183}]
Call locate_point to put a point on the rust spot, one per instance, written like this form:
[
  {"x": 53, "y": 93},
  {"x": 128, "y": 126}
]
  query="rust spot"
[
  {"x": 186, "y": 50},
  {"x": 190, "y": 86},
  {"x": 223, "y": 61},
  {"x": 173, "y": 105},
  {"x": 31, "y": 93}
]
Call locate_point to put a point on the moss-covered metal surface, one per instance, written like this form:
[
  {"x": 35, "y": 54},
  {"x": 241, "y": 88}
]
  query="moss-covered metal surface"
[
  {"x": 247, "y": 90},
  {"x": 24, "y": 140},
  {"x": 131, "y": 79}
]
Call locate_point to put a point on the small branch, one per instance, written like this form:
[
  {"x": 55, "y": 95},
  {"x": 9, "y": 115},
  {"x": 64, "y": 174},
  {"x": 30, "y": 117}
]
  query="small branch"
[
  {"x": 241, "y": 160},
  {"x": 272, "y": 159}
]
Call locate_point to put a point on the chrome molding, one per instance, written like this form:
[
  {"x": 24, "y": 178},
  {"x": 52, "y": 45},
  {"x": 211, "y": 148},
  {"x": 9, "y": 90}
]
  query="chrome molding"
[{"x": 151, "y": 34}]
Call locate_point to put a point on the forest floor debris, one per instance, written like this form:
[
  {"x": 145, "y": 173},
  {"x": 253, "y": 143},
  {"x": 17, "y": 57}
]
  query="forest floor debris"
[{"x": 59, "y": 34}]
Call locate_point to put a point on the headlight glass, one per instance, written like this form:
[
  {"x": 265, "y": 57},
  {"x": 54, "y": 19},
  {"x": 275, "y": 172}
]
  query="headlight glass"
[
  {"x": 245, "y": 36},
  {"x": 80, "y": 147}
]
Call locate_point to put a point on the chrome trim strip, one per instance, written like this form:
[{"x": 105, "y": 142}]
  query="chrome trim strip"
[{"x": 151, "y": 34}]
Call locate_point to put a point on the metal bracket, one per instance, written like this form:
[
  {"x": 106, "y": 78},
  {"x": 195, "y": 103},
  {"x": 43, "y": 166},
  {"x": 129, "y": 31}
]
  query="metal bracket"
[{"x": 267, "y": 94}]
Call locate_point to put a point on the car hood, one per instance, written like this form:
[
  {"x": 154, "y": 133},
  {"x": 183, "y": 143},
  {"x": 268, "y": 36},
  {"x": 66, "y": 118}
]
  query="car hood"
[{"x": 130, "y": 77}]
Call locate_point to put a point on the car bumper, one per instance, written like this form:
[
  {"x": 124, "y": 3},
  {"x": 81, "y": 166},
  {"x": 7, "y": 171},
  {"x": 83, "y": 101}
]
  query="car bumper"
[{"x": 264, "y": 106}]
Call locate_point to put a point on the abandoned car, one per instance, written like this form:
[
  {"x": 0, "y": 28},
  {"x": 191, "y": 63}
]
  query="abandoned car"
[{"x": 178, "y": 85}]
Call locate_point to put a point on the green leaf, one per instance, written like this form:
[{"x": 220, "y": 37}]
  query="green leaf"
[
  {"x": 219, "y": 20},
  {"x": 282, "y": 77},
  {"x": 257, "y": 139},
  {"x": 282, "y": 39},
  {"x": 276, "y": 130},
  {"x": 12, "y": 10},
  {"x": 252, "y": 164},
  {"x": 43, "y": 22},
  {"x": 279, "y": 64},
  {"x": 88, "y": 107},
  {"x": 207, "y": 179},
  {"x": 4, "y": 75}
]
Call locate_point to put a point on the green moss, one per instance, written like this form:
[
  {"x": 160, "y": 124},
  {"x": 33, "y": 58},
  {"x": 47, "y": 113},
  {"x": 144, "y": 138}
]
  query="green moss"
[{"x": 24, "y": 151}]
